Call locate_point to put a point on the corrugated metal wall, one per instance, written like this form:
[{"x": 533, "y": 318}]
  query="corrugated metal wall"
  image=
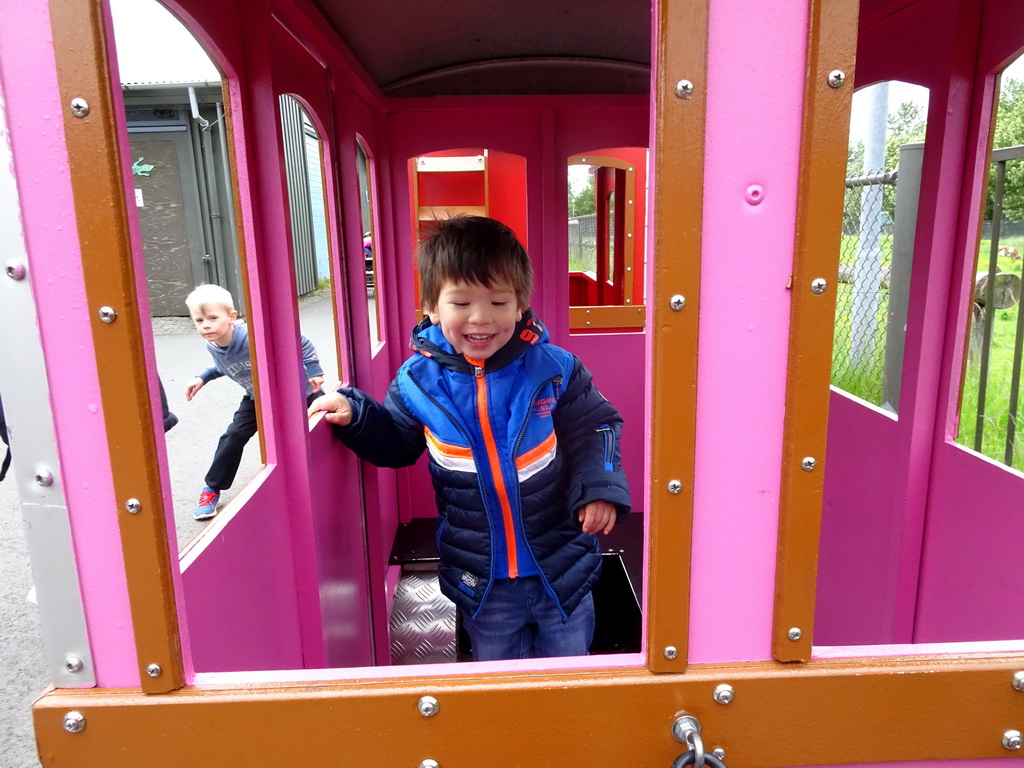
[{"x": 299, "y": 201}]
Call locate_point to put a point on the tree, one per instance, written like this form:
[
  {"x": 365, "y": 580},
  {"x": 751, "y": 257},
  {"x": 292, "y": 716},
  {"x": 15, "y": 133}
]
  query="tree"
[
  {"x": 583, "y": 202},
  {"x": 905, "y": 126},
  {"x": 1009, "y": 133}
]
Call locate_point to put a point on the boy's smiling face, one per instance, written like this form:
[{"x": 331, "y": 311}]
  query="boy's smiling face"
[
  {"x": 215, "y": 324},
  {"x": 477, "y": 320}
]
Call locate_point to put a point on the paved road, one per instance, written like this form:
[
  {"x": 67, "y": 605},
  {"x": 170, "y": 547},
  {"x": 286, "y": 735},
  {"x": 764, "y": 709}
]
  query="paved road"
[{"x": 180, "y": 355}]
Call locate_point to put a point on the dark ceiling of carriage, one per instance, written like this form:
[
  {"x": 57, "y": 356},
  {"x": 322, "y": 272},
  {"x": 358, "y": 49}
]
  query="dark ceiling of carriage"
[{"x": 478, "y": 47}]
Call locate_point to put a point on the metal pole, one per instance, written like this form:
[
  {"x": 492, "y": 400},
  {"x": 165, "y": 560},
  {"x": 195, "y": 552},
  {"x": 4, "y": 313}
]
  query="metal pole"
[{"x": 990, "y": 296}]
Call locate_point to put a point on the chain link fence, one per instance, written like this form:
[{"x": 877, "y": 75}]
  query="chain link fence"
[
  {"x": 862, "y": 296},
  {"x": 583, "y": 243}
]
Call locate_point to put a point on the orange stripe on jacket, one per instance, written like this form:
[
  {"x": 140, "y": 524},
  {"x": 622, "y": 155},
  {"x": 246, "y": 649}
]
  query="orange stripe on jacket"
[
  {"x": 455, "y": 451},
  {"x": 499, "y": 478}
]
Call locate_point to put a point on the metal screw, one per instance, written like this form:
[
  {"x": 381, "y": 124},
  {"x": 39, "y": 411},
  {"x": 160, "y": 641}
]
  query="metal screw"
[
  {"x": 428, "y": 706},
  {"x": 428, "y": 763},
  {"x": 15, "y": 270},
  {"x": 153, "y": 670},
  {"x": 836, "y": 78},
  {"x": 809, "y": 463},
  {"x": 684, "y": 89},
  {"x": 818, "y": 286},
  {"x": 795, "y": 633},
  {"x": 671, "y": 652},
  {"x": 719, "y": 753},
  {"x": 724, "y": 693},
  {"x": 674, "y": 486},
  {"x": 677, "y": 302},
  {"x": 107, "y": 314},
  {"x": 1018, "y": 680},
  {"x": 44, "y": 477},
  {"x": 134, "y": 506},
  {"x": 79, "y": 107},
  {"x": 74, "y": 722},
  {"x": 1012, "y": 740},
  {"x": 73, "y": 664}
]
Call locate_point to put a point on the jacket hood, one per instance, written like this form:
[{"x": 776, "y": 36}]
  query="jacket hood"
[{"x": 429, "y": 341}]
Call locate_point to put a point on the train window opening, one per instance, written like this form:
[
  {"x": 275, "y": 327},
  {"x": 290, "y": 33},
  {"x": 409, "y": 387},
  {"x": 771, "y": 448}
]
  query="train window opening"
[
  {"x": 368, "y": 207},
  {"x": 991, "y": 407},
  {"x": 478, "y": 181},
  {"x": 311, "y": 238},
  {"x": 883, "y": 180},
  {"x": 464, "y": 181},
  {"x": 607, "y": 227},
  {"x": 923, "y": 450},
  {"x": 183, "y": 201}
]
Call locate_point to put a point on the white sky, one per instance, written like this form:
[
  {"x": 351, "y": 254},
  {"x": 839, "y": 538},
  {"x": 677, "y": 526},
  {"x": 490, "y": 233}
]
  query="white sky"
[
  {"x": 902, "y": 92},
  {"x": 154, "y": 47}
]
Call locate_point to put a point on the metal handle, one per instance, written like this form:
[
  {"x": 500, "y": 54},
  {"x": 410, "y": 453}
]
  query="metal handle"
[
  {"x": 686, "y": 730},
  {"x": 690, "y": 758}
]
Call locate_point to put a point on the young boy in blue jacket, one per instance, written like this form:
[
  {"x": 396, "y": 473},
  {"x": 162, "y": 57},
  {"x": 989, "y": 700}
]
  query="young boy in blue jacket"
[
  {"x": 227, "y": 341},
  {"x": 524, "y": 451}
]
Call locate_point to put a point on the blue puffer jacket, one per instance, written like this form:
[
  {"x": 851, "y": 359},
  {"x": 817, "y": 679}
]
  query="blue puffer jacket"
[{"x": 517, "y": 446}]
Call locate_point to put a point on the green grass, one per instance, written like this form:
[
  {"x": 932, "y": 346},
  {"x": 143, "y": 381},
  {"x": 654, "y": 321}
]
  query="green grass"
[
  {"x": 864, "y": 380},
  {"x": 996, "y": 411},
  {"x": 848, "y": 249}
]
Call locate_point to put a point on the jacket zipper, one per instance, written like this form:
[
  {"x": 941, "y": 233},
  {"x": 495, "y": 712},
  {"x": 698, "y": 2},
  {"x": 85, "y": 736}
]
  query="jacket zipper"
[
  {"x": 609, "y": 445},
  {"x": 498, "y": 476}
]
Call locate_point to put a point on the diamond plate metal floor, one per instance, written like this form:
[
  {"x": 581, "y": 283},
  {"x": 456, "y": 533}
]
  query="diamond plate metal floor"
[{"x": 422, "y": 623}]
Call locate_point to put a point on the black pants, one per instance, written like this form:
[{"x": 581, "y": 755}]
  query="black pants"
[{"x": 228, "y": 455}]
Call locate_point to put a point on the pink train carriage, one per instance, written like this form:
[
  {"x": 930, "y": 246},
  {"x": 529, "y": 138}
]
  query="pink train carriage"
[{"x": 816, "y": 579}]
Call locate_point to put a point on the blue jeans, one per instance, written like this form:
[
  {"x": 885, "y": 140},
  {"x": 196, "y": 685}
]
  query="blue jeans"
[{"x": 519, "y": 620}]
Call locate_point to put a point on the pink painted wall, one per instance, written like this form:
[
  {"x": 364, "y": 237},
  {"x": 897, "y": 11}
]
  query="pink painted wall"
[
  {"x": 242, "y": 608},
  {"x": 744, "y": 319},
  {"x": 901, "y": 501},
  {"x": 971, "y": 498},
  {"x": 34, "y": 116}
]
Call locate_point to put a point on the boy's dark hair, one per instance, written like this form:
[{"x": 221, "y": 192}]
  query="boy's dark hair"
[{"x": 473, "y": 249}]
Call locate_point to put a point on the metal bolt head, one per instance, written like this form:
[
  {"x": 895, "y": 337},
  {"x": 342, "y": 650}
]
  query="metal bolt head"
[
  {"x": 684, "y": 89},
  {"x": 428, "y": 763},
  {"x": 153, "y": 670},
  {"x": 836, "y": 78},
  {"x": 15, "y": 270},
  {"x": 818, "y": 286},
  {"x": 724, "y": 693},
  {"x": 795, "y": 633},
  {"x": 1013, "y": 740},
  {"x": 809, "y": 463},
  {"x": 1018, "y": 680},
  {"x": 674, "y": 486},
  {"x": 671, "y": 652},
  {"x": 428, "y": 706},
  {"x": 74, "y": 722},
  {"x": 44, "y": 477},
  {"x": 107, "y": 314},
  {"x": 79, "y": 107},
  {"x": 719, "y": 753},
  {"x": 677, "y": 302},
  {"x": 683, "y": 726},
  {"x": 73, "y": 664},
  {"x": 134, "y": 506}
]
